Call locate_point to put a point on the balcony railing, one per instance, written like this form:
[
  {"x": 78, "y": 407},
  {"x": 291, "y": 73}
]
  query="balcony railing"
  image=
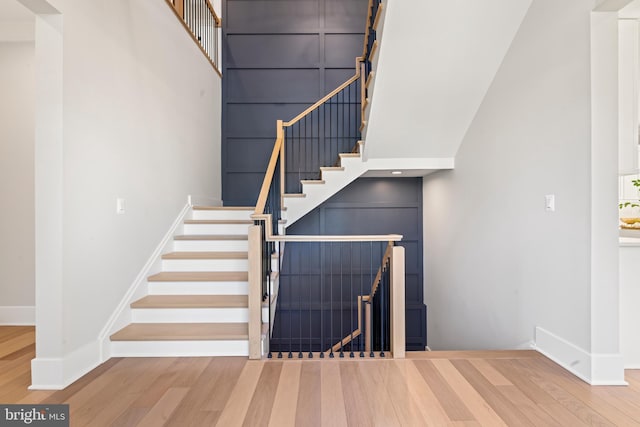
[{"x": 203, "y": 24}]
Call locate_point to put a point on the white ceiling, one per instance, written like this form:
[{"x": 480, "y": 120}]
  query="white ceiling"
[
  {"x": 437, "y": 61},
  {"x": 11, "y": 10},
  {"x": 630, "y": 11}
]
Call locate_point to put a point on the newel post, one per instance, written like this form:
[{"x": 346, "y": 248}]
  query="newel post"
[
  {"x": 397, "y": 303},
  {"x": 255, "y": 292}
]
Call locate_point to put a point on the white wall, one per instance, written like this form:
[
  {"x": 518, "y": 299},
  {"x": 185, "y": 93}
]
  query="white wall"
[
  {"x": 141, "y": 121},
  {"x": 17, "y": 116},
  {"x": 496, "y": 264},
  {"x": 629, "y": 297}
]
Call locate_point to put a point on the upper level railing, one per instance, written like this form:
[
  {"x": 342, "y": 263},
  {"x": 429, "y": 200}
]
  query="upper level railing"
[{"x": 203, "y": 24}]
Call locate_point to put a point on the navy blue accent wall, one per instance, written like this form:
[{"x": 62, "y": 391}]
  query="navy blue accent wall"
[
  {"x": 366, "y": 206},
  {"x": 279, "y": 57}
]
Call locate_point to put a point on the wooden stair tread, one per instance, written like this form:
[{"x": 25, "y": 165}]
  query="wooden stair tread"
[
  {"x": 182, "y": 332},
  {"x": 294, "y": 195},
  {"x": 211, "y": 237},
  {"x": 218, "y": 221},
  {"x": 200, "y": 276},
  {"x": 331, "y": 168},
  {"x": 342, "y": 155},
  {"x": 312, "y": 181},
  {"x": 192, "y": 301},
  {"x": 205, "y": 255},
  {"x": 223, "y": 208}
]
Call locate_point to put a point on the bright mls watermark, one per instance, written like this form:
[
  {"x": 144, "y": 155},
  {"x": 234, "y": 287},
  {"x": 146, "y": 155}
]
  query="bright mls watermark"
[{"x": 34, "y": 415}]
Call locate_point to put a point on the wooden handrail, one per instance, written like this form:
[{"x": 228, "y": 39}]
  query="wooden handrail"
[
  {"x": 366, "y": 31},
  {"x": 376, "y": 20},
  {"x": 340, "y": 238},
  {"x": 326, "y": 97},
  {"x": 268, "y": 178},
  {"x": 213, "y": 12},
  {"x": 376, "y": 281}
]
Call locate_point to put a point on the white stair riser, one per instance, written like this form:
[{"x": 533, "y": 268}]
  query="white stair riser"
[
  {"x": 210, "y": 245},
  {"x": 205, "y": 265},
  {"x": 350, "y": 161},
  {"x": 179, "y": 348},
  {"x": 222, "y": 214},
  {"x": 190, "y": 315},
  {"x": 198, "y": 288},
  {"x": 190, "y": 229},
  {"x": 335, "y": 180}
]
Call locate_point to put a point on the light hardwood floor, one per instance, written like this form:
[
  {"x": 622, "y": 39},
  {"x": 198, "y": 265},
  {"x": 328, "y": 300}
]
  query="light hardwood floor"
[{"x": 488, "y": 388}]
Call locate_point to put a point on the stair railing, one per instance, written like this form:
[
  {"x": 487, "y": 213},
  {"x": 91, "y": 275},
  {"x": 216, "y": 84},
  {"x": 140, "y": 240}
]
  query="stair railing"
[
  {"x": 203, "y": 25},
  {"x": 310, "y": 141},
  {"x": 330, "y": 295},
  {"x": 315, "y": 138}
]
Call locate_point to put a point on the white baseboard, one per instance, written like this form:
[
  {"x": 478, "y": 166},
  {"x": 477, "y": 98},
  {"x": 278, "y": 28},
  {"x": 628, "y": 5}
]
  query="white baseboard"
[
  {"x": 18, "y": 315},
  {"x": 594, "y": 369},
  {"x": 607, "y": 369},
  {"x": 58, "y": 373},
  {"x": 121, "y": 316}
]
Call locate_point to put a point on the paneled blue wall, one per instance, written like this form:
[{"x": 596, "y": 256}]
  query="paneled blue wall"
[
  {"x": 279, "y": 57},
  {"x": 367, "y": 206}
]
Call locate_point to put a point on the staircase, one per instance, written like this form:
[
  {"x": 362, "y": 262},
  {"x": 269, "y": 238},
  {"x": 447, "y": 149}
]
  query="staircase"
[
  {"x": 332, "y": 179},
  {"x": 197, "y": 305}
]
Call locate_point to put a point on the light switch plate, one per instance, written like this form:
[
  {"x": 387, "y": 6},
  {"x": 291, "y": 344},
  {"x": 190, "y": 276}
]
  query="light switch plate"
[
  {"x": 550, "y": 202},
  {"x": 120, "y": 206}
]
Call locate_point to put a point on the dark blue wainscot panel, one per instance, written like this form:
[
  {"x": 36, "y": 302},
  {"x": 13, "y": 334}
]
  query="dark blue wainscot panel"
[
  {"x": 367, "y": 206},
  {"x": 279, "y": 57}
]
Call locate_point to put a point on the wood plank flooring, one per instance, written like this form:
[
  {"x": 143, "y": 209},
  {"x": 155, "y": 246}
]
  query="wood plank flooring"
[{"x": 487, "y": 388}]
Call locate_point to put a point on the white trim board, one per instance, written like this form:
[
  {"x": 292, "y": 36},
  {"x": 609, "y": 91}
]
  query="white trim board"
[
  {"x": 594, "y": 369},
  {"x": 58, "y": 373},
  {"x": 18, "y": 315}
]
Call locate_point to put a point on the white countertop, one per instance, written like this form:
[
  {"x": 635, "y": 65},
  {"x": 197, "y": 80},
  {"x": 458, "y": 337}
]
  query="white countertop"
[{"x": 629, "y": 241}]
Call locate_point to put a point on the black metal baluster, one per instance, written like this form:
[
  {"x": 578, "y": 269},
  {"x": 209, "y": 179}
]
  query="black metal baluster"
[
  {"x": 290, "y": 307},
  {"x": 309, "y": 286},
  {"x": 300, "y": 300},
  {"x": 306, "y": 150},
  {"x": 311, "y": 150},
  {"x": 370, "y": 302},
  {"x": 362, "y": 311},
  {"x": 299, "y": 125},
  {"x": 269, "y": 286},
  {"x": 328, "y": 158},
  {"x": 279, "y": 278},
  {"x": 349, "y": 116},
  {"x": 341, "y": 306},
  {"x": 383, "y": 295},
  {"x": 330, "y": 244},
  {"x": 351, "y": 296},
  {"x": 322, "y": 259}
]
